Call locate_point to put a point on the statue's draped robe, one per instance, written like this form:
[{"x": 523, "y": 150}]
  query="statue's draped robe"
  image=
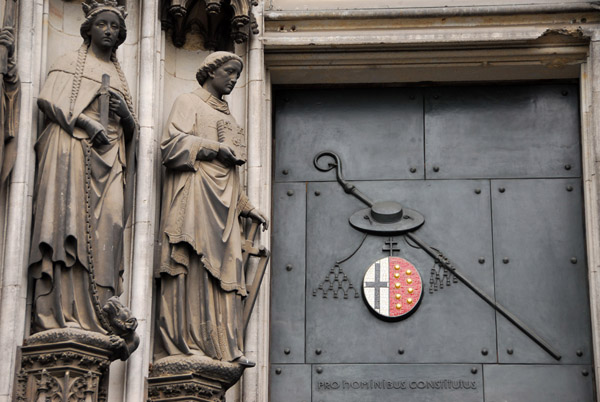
[
  {"x": 9, "y": 116},
  {"x": 202, "y": 280},
  {"x": 59, "y": 254}
]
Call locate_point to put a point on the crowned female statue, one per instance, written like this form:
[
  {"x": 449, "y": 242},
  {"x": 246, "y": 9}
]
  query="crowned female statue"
[
  {"x": 202, "y": 283},
  {"x": 80, "y": 204}
]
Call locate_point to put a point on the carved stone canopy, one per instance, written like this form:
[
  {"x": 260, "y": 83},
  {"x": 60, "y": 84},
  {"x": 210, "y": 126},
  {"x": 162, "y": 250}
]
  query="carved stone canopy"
[{"x": 219, "y": 23}]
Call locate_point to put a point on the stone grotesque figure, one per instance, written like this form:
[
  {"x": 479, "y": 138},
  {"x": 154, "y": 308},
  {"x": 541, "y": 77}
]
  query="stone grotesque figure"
[
  {"x": 80, "y": 204},
  {"x": 202, "y": 283}
]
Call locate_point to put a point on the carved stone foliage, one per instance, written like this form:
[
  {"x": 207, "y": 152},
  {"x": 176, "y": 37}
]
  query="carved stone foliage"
[
  {"x": 191, "y": 378},
  {"x": 66, "y": 365},
  {"x": 219, "y": 23}
]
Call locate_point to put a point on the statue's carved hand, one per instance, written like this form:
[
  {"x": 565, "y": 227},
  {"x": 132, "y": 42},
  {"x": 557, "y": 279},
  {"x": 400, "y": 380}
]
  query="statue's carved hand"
[
  {"x": 7, "y": 39},
  {"x": 97, "y": 133},
  {"x": 257, "y": 216},
  {"x": 227, "y": 156},
  {"x": 118, "y": 105}
]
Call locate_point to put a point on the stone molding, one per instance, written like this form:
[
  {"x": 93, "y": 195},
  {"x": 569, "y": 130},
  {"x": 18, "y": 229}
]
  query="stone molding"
[{"x": 218, "y": 24}]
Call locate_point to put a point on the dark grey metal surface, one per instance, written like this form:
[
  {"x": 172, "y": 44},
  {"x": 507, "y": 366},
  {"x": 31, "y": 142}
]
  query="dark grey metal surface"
[
  {"x": 524, "y": 246},
  {"x": 288, "y": 273},
  {"x": 538, "y": 383},
  {"x": 502, "y": 131},
  {"x": 538, "y": 229},
  {"x": 395, "y": 382},
  {"x": 347, "y": 332},
  {"x": 290, "y": 383},
  {"x": 361, "y": 125}
]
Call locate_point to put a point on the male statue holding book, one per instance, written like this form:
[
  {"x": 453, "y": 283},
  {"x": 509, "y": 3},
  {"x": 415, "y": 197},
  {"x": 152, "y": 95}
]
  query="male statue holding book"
[{"x": 202, "y": 278}]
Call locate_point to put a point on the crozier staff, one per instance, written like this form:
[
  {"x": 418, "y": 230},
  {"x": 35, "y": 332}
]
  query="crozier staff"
[
  {"x": 80, "y": 208},
  {"x": 202, "y": 283}
]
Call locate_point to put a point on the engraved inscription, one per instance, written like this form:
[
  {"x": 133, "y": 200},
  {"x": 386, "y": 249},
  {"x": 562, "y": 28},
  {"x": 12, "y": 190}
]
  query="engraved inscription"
[{"x": 407, "y": 384}]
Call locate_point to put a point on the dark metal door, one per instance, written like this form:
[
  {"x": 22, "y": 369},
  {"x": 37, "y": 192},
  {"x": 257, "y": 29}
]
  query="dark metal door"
[{"x": 496, "y": 171}]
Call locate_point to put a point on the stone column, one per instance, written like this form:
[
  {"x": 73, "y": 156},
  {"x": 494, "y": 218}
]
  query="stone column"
[
  {"x": 13, "y": 317},
  {"x": 256, "y": 381},
  {"x": 590, "y": 143},
  {"x": 147, "y": 182}
]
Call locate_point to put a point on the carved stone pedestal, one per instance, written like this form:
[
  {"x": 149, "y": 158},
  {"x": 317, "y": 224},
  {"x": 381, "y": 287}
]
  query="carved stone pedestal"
[
  {"x": 65, "y": 365},
  {"x": 191, "y": 378}
]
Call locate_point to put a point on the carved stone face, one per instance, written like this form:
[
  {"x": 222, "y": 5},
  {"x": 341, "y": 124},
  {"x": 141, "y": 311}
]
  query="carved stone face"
[
  {"x": 224, "y": 78},
  {"x": 104, "y": 32}
]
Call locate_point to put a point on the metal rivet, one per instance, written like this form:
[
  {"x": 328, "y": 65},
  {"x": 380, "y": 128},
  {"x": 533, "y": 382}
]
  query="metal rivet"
[
  {"x": 400, "y": 351},
  {"x": 510, "y": 351},
  {"x": 317, "y": 193},
  {"x": 277, "y": 371},
  {"x": 567, "y": 167},
  {"x": 413, "y": 169},
  {"x": 289, "y": 267},
  {"x": 585, "y": 372},
  {"x": 484, "y": 351},
  {"x": 565, "y": 93},
  {"x": 285, "y": 171},
  {"x": 481, "y": 260},
  {"x": 286, "y": 351},
  {"x": 319, "y": 370},
  {"x": 318, "y": 351},
  {"x": 569, "y": 188},
  {"x": 579, "y": 352},
  {"x": 505, "y": 260},
  {"x": 477, "y": 191},
  {"x": 474, "y": 370},
  {"x": 502, "y": 189},
  {"x": 290, "y": 193},
  {"x": 573, "y": 260},
  {"x": 436, "y": 168}
]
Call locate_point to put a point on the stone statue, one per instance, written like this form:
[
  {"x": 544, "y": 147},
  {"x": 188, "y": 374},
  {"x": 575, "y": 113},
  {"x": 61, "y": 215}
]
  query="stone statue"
[
  {"x": 9, "y": 110},
  {"x": 202, "y": 279},
  {"x": 80, "y": 204},
  {"x": 80, "y": 209}
]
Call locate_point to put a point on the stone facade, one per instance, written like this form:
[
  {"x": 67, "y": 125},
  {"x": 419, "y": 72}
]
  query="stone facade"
[{"x": 415, "y": 40}]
